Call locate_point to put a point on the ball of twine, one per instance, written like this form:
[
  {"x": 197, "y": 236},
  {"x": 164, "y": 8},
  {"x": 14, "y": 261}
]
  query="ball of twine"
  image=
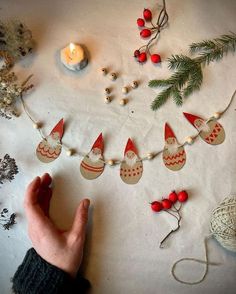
[{"x": 223, "y": 223}]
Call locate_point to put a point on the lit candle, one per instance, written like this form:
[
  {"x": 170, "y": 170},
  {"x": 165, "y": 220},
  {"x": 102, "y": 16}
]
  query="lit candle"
[{"x": 74, "y": 57}]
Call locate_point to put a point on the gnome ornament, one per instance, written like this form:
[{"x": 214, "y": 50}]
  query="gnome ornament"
[
  {"x": 50, "y": 148},
  {"x": 211, "y": 132},
  {"x": 131, "y": 168},
  {"x": 93, "y": 164},
  {"x": 174, "y": 156}
]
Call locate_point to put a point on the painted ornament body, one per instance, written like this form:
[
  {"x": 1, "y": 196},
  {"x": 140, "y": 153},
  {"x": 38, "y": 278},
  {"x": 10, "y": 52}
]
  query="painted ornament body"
[
  {"x": 93, "y": 165},
  {"x": 174, "y": 157},
  {"x": 215, "y": 135},
  {"x": 50, "y": 148},
  {"x": 131, "y": 168},
  {"x": 91, "y": 169}
]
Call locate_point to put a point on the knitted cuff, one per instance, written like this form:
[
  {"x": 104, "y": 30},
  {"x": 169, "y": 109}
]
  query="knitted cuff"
[{"x": 37, "y": 276}]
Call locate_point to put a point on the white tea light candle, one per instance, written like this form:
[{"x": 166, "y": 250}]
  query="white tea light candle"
[{"x": 74, "y": 57}]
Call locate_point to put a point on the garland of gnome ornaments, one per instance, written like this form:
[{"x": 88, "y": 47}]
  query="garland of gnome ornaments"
[{"x": 131, "y": 167}]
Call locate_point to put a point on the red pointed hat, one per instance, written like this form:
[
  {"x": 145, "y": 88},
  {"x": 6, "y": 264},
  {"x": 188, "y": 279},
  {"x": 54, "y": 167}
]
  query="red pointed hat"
[
  {"x": 168, "y": 132},
  {"x": 59, "y": 128},
  {"x": 99, "y": 143},
  {"x": 130, "y": 147},
  {"x": 191, "y": 118}
]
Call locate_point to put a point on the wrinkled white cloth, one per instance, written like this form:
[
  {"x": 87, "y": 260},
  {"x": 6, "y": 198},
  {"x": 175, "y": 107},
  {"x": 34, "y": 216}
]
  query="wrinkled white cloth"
[{"x": 122, "y": 253}]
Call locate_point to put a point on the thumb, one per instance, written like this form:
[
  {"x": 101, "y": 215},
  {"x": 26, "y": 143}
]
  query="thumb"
[{"x": 81, "y": 218}]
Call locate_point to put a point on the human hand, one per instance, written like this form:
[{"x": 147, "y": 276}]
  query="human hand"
[{"x": 61, "y": 249}]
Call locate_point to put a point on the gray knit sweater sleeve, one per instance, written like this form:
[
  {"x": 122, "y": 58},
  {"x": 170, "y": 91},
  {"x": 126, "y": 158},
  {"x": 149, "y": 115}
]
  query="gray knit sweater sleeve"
[{"x": 37, "y": 276}]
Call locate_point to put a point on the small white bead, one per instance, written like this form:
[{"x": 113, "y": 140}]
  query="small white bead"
[
  {"x": 107, "y": 91},
  {"x": 123, "y": 102},
  {"x": 189, "y": 140},
  {"x": 149, "y": 156},
  {"x": 104, "y": 71},
  {"x": 107, "y": 99},
  {"x": 134, "y": 85},
  {"x": 36, "y": 125},
  {"x": 113, "y": 76},
  {"x": 124, "y": 90},
  {"x": 111, "y": 162},
  {"x": 69, "y": 152},
  {"x": 217, "y": 115},
  {"x": 8, "y": 101}
]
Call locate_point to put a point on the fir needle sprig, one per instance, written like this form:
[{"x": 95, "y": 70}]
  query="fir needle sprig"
[{"x": 188, "y": 75}]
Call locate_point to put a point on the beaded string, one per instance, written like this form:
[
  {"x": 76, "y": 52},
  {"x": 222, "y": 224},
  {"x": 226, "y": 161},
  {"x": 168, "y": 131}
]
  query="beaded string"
[{"x": 111, "y": 162}]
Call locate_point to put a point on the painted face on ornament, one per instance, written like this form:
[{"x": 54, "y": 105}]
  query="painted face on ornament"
[
  {"x": 199, "y": 123},
  {"x": 96, "y": 151},
  {"x": 55, "y": 136},
  {"x": 130, "y": 154},
  {"x": 171, "y": 141}
]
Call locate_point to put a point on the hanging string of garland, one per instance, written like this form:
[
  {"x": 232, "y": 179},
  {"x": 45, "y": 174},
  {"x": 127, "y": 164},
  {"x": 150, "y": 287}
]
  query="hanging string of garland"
[
  {"x": 188, "y": 75},
  {"x": 92, "y": 166}
]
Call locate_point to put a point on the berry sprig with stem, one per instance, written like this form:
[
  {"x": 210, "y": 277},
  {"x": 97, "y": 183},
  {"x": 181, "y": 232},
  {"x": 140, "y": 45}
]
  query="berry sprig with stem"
[
  {"x": 146, "y": 32},
  {"x": 169, "y": 206}
]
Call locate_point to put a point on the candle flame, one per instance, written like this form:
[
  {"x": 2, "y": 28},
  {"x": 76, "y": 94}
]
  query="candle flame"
[{"x": 72, "y": 48}]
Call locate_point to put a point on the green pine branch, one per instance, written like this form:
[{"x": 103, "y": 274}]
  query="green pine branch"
[{"x": 188, "y": 75}]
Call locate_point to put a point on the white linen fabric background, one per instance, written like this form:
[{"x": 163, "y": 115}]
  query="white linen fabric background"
[{"x": 122, "y": 254}]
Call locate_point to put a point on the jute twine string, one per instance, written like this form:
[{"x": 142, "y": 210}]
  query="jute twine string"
[{"x": 223, "y": 229}]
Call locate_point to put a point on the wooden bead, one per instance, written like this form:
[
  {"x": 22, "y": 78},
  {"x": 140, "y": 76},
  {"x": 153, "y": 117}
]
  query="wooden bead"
[
  {"x": 149, "y": 156},
  {"x": 69, "y": 152},
  {"x": 113, "y": 76},
  {"x": 111, "y": 162},
  {"x": 107, "y": 91},
  {"x": 217, "y": 115},
  {"x": 104, "y": 71},
  {"x": 125, "y": 90},
  {"x": 107, "y": 99},
  {"x": 123, "y": 102},
  {"x": 134, "y": 85},
  {"x": 36, "y": 125},
  {"x": 189, "y": 140}
]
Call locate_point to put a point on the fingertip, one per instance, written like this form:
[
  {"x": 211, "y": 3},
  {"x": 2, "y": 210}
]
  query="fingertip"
[
  {"x": 86, "y": 203},
  {"x": 46, "y": 180}
]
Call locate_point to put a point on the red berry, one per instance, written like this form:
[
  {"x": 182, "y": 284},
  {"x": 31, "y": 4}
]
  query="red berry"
[
  {"x": 136, "y": 53},
  {"x": 166, "y": 203},
  {"x": 182, "y": 196},
  {"x": 147, "y": 14},
  {"x": 140, "y": 22},
  {"x": 142, "y": 57},
  {"x": 156, "y": 206},
  {"x": 145, "y": 33},
  {"x": 173, "y": 197},
  {"x": 155, "y": 58}
]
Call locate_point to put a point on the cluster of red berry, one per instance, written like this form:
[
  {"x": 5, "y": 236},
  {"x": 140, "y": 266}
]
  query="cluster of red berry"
[
  {"x": 146, "y": 32},
  {"x": 169, "y": 206},
  {"x": 167, "y": 203}
]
